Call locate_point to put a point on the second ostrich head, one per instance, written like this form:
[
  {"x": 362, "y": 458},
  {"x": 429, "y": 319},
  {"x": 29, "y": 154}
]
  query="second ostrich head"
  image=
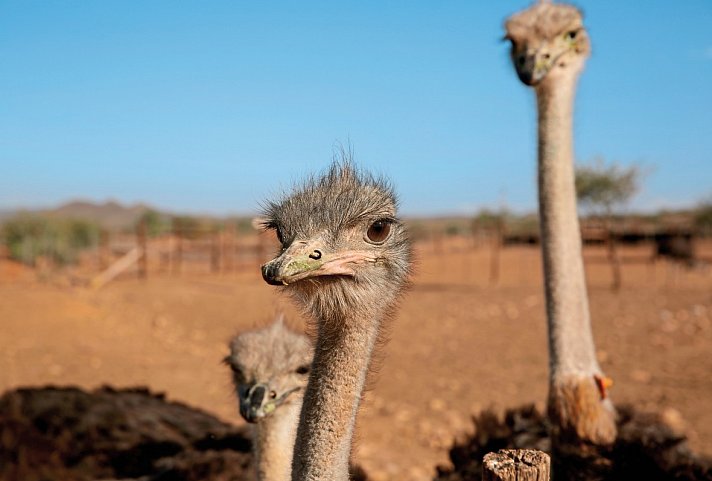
[
  {"x": 548, "y": 41},
  {"x": 270, "y": 367},
  {"x": 342, "y": 246}
]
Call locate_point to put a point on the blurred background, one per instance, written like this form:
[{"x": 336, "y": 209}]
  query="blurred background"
[{"x": 138, "y": 140}]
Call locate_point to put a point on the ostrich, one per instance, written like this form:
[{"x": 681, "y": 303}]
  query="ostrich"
[
  {"x": 549, "y": 47},
  {"x": 346, "y": 258},
  {"x": 270, "y": 367}
]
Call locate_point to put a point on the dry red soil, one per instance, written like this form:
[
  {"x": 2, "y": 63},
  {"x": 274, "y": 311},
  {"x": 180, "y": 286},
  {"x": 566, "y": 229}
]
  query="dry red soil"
[{"x": 458, "y": 344}]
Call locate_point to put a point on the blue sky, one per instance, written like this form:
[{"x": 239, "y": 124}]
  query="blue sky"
[{"x": 214, "y": 106}]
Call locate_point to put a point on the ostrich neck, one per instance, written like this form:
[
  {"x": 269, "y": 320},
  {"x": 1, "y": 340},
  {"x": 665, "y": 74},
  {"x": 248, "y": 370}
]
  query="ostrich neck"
[
  {"x": 274, "y": 442},
  {"x": 570, "y": 339},
  {"x": 343, "y": 351}
]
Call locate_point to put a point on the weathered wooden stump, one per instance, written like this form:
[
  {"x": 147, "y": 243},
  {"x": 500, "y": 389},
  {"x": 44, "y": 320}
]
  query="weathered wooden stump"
[{"x": 516, "y": 465}]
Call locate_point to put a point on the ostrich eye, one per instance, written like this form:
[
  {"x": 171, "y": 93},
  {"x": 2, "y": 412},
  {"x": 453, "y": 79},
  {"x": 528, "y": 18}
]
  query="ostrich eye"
[
  {"x": 302, "y": 369},
  {"x": 378, "y": 231},
  {"x": 272, "y": 394},
  {"x": 571, "y": 35}
]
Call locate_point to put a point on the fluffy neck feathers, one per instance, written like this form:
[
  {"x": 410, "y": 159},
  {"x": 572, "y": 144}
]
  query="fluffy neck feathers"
[
  {"x": 274, "y": 442},
  {"x": 349, "y": 318}
]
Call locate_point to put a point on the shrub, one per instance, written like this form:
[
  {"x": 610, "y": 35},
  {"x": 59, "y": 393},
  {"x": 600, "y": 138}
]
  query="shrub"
[{"x": 28, "y": 237}]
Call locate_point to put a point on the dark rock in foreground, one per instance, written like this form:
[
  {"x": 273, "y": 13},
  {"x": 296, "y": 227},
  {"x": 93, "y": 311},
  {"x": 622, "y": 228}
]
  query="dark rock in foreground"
[{"x": 646, "y": 448}]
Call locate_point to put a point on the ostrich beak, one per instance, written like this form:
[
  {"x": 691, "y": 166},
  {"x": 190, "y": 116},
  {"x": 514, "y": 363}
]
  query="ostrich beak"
[
  {"x": 256, "y": 403},
  {"x": 252, "y": 402},
  {"x": 303, "y": 260},
  {"x": 534, "y": 69}
]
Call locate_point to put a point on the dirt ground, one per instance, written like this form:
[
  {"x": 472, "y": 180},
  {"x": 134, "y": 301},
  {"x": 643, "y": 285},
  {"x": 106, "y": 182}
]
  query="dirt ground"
[{"x": 458, "y": 345}]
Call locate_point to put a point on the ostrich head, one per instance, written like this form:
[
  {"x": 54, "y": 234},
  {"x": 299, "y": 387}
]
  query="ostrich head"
[
  {"x": 270, "y": 367},
  {"x": 343, "y": 248},
  {"x": 548, "y": 42}
]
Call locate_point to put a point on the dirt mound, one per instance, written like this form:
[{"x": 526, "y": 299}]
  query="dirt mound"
[
  {"x": 68, "y": 434},
  {"x": 647, "y": 448}
]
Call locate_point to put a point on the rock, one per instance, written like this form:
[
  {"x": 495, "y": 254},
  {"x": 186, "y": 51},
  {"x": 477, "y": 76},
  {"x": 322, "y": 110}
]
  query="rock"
[
  {"x": 672, "y": 418},
  {"x": 437, "y": 405},
  {"x": 669, "y": 325},
  {"x": 641, "y": 376},
  {"x": 602, "y": 356}
]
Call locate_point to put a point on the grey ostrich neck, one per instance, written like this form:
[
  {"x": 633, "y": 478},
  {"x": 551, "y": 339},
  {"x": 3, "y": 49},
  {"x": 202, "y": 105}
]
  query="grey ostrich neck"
[
  {"x": 578, "y": 402},
  {"x": 571, "y": 344},
  {"x": 346, "y": 339},
  {"x": 273, "y": 438}
]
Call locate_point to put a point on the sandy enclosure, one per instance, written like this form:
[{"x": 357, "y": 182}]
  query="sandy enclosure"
[{"x": 458, "y": 344}]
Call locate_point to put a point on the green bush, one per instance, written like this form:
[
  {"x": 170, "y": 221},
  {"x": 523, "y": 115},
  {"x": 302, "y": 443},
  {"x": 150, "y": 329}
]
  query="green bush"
[
  {"x": 156, "y": 223},
  {"x": 28, "y": 237}
]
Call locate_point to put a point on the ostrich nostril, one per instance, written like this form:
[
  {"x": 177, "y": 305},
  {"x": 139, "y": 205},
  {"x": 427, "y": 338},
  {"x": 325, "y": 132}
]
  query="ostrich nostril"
[
  {"x": 316, "y": 255},
  {"x": 546, "y": 56}
]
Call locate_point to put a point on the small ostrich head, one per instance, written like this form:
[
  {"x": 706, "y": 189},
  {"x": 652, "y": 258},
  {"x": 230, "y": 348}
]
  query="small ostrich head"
[
  {"x": 343, "y": 247},
  {"x": 270, "y": 367},
  {"x": 548, "y": 41}
]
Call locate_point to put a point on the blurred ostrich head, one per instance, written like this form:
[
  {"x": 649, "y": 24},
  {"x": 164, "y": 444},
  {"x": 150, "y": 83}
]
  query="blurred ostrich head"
[
  {"x": 548, "y": 42},
  {"x": 270, "y": 367}
]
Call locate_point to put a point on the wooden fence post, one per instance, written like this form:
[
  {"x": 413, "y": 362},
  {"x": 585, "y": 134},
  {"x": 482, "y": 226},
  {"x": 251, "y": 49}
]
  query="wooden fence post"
[
  {"x": 178, "y": 251},
  {"x": 229, "y": 248},
  {"x": 215, "y": 251},
  {"x": 496, "y": 249},
  {"x": 437, "y": 242},
  {"x": 614, "y": 259},
  {"x": 142, "y": 245},
  {"x": 104, "y": 251},
  {"x": 516, "y": 465}
]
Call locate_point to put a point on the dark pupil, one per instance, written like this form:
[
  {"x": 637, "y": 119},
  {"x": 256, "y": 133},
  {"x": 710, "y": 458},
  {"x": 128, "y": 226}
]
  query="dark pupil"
[
  {"x": 378, "y": 231},
  {"x": 302, "y": 369},
  {"x": 572, "y": 35}
]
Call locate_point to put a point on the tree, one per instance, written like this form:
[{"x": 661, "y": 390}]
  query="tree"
[
  {"x": 601, "y": 187},
  {"x": 156, "y": 223}
]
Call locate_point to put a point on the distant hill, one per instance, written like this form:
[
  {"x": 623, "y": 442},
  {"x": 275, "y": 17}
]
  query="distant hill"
[
  {"x": 115, "y": 216},
  {"x": 6, "y": 214},
  {"x": 110, "y": 215}
]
